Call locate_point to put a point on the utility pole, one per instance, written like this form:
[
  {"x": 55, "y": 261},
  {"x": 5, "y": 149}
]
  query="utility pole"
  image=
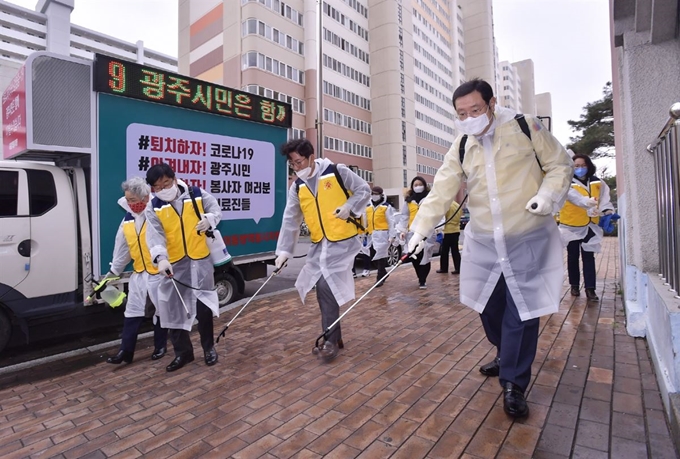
[{"x": 319, "y": 79}]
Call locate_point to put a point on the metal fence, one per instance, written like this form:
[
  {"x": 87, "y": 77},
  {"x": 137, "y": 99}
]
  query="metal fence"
[{"x": 666, "y": 151}]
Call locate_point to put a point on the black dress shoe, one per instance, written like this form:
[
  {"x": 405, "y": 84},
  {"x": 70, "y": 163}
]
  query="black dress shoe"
[
  {"x": 341, "y": 345},
  {"x": 442, "y": 271},
  {"x": 492, "y": 368},
  {"x": 210, "y": 357},
  {"x": 591, "y": 295},
  {"x": 329, "y": 351},
  {"x": 158, "y": 353},
  {"x": 455, "y": 272},
  {"x": 575, "y": 291},
  {"x": 514, "y": 403},
  {"x": 122, "y": 356},
  {"x": 179, "y": 361}
]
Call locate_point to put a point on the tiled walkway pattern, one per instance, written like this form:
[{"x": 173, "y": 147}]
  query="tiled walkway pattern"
[{"x": 406, "y": 386}]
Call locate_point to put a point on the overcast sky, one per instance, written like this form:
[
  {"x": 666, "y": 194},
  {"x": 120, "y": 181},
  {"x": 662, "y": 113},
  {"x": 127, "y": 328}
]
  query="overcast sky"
[{"x": 568, "y": 40}]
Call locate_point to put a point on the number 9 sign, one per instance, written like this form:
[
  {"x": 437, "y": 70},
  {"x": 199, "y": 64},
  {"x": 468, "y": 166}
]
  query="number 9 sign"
[{"x": 117, "y": 76}]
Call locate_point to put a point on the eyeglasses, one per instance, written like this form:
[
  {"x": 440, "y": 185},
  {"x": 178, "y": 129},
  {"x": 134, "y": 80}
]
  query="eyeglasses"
[
  {"x": 475, "y": 112},
  {"x": 297, "y": 164},
  {"x": 160, "y": 186}
]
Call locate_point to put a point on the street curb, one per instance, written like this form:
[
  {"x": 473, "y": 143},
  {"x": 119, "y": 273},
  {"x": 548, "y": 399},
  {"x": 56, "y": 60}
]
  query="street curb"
[{"x": 98, "y": 347}]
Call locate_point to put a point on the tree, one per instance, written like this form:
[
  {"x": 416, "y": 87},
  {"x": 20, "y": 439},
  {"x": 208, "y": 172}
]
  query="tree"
[
  {"x": 595, "y": 129},
  {"x": 611, "y": 182}
]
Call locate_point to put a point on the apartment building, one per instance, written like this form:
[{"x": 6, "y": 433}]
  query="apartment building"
[
  {"x": 544, "y": 108},
  {"x": 49, "y": 28},
  {"x": 525, "y": 70},
  {"x": 388, "y": 70},
  {"x": 509, "y": 94},
  {"x": 481, "y": 53}
]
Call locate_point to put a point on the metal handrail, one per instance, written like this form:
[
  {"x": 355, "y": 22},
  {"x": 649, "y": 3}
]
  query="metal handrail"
[
  {"x": 666, "y": 150},
  {"x": 674, "y": 113}
]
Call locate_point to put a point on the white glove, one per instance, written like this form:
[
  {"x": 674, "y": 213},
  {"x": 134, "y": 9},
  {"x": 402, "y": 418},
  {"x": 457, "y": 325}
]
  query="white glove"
[
  {"x": 591, "y": 202},
  {"x": 343, "y": 212},
  {"x": 416, "y": 244},
  {"x": 165, "y": 267},
  {"x": 539, "y": 205},
  {"x": 204, "y": 224},
  {"x": 280, "y": 261}
]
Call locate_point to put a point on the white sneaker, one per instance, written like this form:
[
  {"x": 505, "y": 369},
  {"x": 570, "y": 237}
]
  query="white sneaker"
[{"x": 366, "y": 273}]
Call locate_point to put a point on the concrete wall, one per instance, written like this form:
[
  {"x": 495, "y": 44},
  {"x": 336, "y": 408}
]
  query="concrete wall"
[{"x": 645, "y": 60}]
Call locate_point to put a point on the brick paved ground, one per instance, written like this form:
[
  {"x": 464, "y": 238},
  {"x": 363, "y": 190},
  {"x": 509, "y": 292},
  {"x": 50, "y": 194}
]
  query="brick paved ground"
[{"x": 406, "y": 386}]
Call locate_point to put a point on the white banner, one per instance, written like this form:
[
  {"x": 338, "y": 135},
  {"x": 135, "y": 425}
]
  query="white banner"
[{"x": 238, "y": 172}]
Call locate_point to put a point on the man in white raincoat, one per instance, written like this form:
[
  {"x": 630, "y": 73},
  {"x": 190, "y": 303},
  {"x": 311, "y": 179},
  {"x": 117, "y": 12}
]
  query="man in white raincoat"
[
  {"x": 177, "y": 241},
  {"x": 381, "y": 229},
  {"x": 131, "y": 245},
  {"x": 512, "y": 269},
  {"x": 326, "y": 196}
]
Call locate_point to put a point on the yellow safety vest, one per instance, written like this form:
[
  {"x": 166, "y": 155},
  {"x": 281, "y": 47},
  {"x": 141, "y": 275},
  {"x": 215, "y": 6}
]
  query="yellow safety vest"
[
  {"x": 413, "y": 210},
  {"x": 139, "y": 250},
  {"x": 452, "y": 225},
  {"x": 573, "y": 215},
  {"x": 319, "y": 210},
  {"x": 377, "y": 218},
  {"x": 180, "y": 231}
]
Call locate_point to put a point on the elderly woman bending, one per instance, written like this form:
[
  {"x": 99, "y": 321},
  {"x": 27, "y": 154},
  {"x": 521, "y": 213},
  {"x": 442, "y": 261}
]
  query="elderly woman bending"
[{"x": 131, "y": 245}]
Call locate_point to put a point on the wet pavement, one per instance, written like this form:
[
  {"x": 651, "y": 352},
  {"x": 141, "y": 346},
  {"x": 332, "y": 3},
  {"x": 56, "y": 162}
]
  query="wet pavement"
[{"x": 406, "y": 385}]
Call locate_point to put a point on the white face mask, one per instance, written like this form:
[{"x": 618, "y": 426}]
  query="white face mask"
[
  {"x": 375, "y": 198},
  {"x": 168, "y": 194},
  {"x": 472, "y": 126},
  {"x": 304, "y": 174},
  {"x": 418, "y": 188}
]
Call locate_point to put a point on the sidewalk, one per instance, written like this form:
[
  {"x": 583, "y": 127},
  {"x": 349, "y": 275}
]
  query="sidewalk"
[{"x": 406, "y": 385}]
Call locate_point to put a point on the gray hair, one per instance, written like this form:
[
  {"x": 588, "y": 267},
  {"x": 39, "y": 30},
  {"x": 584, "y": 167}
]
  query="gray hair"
[{"x": 137, "y": 186}]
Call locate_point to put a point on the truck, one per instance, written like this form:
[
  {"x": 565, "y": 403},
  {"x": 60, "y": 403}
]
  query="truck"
[{"x": 73, "y": 131}]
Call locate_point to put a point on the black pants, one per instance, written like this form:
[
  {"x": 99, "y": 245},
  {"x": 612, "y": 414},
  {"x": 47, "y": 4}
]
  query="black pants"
[
  {"x": 515, "y": 340},
  {"x": 381, "y": 263},
  {"x": 421, "y": 270},
  {"x": 450, "y": 242},
  {"x": 128, "y": 338},
  {"x": 180, "y": 337},
  {"x": 573, "y": 250},
  {"x": 330, "y": 309}
]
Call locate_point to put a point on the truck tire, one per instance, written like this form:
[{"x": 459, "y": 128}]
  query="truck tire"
[
  {"x": 226, "y": 287},
  {"x": 5, "y": 330},
  {"x": 393, "y": 255}
]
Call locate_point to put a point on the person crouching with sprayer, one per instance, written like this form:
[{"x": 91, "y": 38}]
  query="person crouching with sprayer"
[
  {"x": 131, "y": 245},
  {"x": 179, "y": 217}
]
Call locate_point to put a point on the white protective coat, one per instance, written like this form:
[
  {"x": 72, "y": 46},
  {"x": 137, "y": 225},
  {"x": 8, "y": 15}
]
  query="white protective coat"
[
  {"x": 502, "y": 237},
  {"x": 402, "y": 227},
  {"x": 380, "y": 239},
  {"x": 196, "y": 273},
  {"x": 576, "y": 233},
  {"x": 333, "y": 260},
  {"x": 138, "y": 286}
]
